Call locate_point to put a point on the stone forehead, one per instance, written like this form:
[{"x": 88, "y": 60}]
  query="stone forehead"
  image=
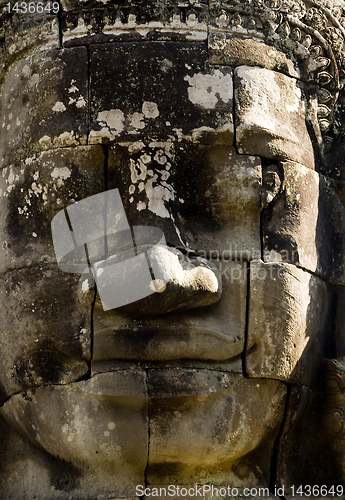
[
  {"x": 305, "y": 31},
  {"x": 309, "y": 36}
]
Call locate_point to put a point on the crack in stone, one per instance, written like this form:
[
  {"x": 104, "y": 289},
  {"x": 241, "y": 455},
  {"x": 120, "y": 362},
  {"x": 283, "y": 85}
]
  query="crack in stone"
[
  {"x": 277, "y": 443},
  {"x": 245, "y": 344},
  {"x": 148, "y": 427},
  {"x": 88, "y": 92}
]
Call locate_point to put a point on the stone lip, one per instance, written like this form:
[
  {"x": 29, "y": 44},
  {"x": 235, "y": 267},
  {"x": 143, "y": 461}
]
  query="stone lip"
[
  {"x": 163, "y": 383},
  {"x": 165, "y": 343}
]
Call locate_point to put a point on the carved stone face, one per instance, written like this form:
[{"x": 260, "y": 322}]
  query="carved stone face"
[{"x": 190, "y": 384}]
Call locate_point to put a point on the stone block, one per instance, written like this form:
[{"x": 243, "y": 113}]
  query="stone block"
[
  {"x": 271, "y": 114},
  {"x": 46, "y": 333},
  {"x": 305, "y": 223},
  {"x": 204, "y": 431},
  {"x": 338, "y": 348},
  {"x": 158, "y": 91},
  {"x": 310, "y": 471},
  {"x": 44, "y": 103},
  {"x": 206, "y": 199},
  {"x": 227, "y": 48},
  {"x": 99, "y": 424},
  {"x": 34, "y": 191},
  {"x": 288, "y": 323}
]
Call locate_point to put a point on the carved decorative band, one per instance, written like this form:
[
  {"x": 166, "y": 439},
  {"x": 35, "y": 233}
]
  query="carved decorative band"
[{"x": 311, "y": 34}]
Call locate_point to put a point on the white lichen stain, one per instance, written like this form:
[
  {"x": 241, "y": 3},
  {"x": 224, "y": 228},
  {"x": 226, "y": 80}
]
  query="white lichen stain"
[
  {"x": 136, "y": 121},
  {"x": 206, "y": 90},
  {"x": 135, "y": 147},
  {"x": 81, "y": 103},
  {"x": 157, "y": 189},
  {"x": 165, "y": 65},
  {"x": 63, "y": 140},
  {"x": 61, "y": 174},
  {"x": 141, "y": 206},
  {"x": 59, "y": 107},
  {"x": 112, "y": 119},
  {"x": 73, "y": 88},
  {"x": 150, "y": 109},
  {"x": 114, "y": 122}
]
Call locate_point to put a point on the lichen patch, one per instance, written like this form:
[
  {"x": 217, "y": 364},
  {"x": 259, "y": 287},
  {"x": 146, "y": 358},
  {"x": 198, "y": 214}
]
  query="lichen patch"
[
  {"x": 59, "y": 107},
  {"x": 206, "y": 90}
]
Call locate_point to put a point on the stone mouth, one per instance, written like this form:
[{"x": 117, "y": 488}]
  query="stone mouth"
[
  {"x": 165, "y": 343},
  {"x": 163, "y": 383}
]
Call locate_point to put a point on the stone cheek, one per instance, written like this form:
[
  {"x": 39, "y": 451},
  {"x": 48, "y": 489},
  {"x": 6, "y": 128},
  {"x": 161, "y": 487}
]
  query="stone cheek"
[
  {"x": 98, "y": 425},
  {"x": 46, "y": 333},
  {"x": 44, "y": 104},
  {"x": 159, "y": 91},
  {"x": 288, "y": 318},
  {"x": 271, "y": 113},
  {"x": 208, "y": 434},
  {"x": 32, "y": 191}
]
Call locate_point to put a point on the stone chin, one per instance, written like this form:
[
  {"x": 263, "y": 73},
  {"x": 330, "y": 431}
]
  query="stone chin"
[{"x": 180, "y": 425}]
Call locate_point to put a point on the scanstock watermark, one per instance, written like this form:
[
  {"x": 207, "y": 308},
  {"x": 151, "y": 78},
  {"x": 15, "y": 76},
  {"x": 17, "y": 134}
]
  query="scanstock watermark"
[
  {"x": 206, "y": 491},
  {"x": 81, "y": 234},
  {"x": 200, "y": 491}
]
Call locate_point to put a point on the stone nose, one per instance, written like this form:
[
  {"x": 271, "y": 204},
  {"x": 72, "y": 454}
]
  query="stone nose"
[{"x": 157, "y": 280}]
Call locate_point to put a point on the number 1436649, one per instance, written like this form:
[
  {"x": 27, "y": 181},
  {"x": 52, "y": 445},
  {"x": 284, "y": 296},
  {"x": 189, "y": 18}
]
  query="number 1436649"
[{"x": 33, "y": 7}]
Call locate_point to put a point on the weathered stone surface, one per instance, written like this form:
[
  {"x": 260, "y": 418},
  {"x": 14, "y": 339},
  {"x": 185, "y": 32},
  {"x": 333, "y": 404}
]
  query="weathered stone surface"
[
  {"x": 214, "y": 420},
  {"x": 201, "y": 337},
  {"x": 288, "y": 323},
  {"x": 30, "y": 469},
  {"x": 45, "y": 333},
  {"x": 135, "y": 87},
  {"x": 206, "y": 199},
  {"x": 271, "y": 113},
  {"x": 33, "y": 191},
  {"x": 100, "y": 424},
  {"x": 318, "y": 417},
  {"x": 337, "y": 351},
  {"x": 226, "y": 48},
  {"x": 44, "y": 104},
  {"x": 305, "y": 223}
]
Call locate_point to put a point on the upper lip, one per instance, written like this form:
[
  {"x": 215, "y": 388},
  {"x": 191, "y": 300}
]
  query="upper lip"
[{"x": 165, "y": 343}]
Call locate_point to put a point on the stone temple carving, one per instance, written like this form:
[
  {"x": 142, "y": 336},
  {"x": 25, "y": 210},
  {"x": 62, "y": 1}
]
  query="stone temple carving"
[{"x": 222, "y": 125}]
